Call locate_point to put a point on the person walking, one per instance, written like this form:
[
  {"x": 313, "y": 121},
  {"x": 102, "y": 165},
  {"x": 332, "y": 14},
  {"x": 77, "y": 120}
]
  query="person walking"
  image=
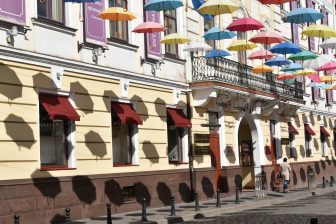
[{"x": 285, "y": 169}]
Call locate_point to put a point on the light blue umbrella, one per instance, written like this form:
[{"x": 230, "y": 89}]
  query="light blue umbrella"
[
  {"x": 82, "y": 1},
  {"x": 215, "y": 34},
  {"x": 217, "y": 53},
  {"x": 289, "y": 82},
  {"x": 292, "y": 67},
  {"x": 319, "y": 85},
  {"x": 277, "y": 61},
  {"x": 162, "y": 5},
  {"x": 302, "y": 15},
  {"x": 197, "y": 4},
  {"x": 285, "y": 48}
]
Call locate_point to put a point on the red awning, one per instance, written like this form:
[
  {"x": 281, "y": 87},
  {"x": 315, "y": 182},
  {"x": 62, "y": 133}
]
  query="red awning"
[
  {"x": 126, "y": 113},
  {"x": 324, "y": 131},
  {"x": 292, "y": 129},
  {"x": 59, "y": 107},
  {"x": 180, "y": 120},
  {"x": 309, "y": 130}
]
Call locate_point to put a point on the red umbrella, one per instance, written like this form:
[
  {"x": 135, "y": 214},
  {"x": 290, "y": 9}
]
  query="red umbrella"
[
  {"x": 148, "y": 27},
  {"x": 245, "y": 24},
  {"x": 327, "y": 67},
  {"x": 315, "y": 78},
  {"x": 261, "y": 54},
  {"x": 285, "y": 76},
  {"x": 276, "y": 2},
  {"x": 266, "y": 37}
]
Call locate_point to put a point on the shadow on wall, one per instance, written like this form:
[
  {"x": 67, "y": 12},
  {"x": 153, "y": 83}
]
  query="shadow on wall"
[
  {"x": 312, "y": 119},
  {"x": 238, "y": 182},
  {"x": 302, "y": 151},
  {"x": 164, "y": 193},
  {"x": 316, "y": 144},
  {"x": 150, "y": 152},
  {"x": 95, "y": 144},
  {"x": 114, "y": 192},
  {"x": 108, "y": 96},
  {"x": 82, "y": 100},
  {"x": 84, "y": 189},
  {"x": 43, "y": 180},
  {"x": 140, "y": 105},
  {"x": 19, "y": 131},
  {"x": 323, "y": 164},
  {"x": 207, "y": 187},
  {"x": 330, "y": 123},
  {"x": 295, "y": 180},
  {"x": 272, "y": 180},
  {"x": 230, "y": 155},
  {"x": 302, "y": 175},
  {"x": 317, "y": 167},
  {"x": 141, "y": 191},
  {"x": 224, "y": 184},
  {"x": 160, "y": 108},
  {"x": 9, "y": 76},
  {"x": 41, "y": 80},
  {"x": 185, "y": 192},
  {"x": 297, "y": 121}
]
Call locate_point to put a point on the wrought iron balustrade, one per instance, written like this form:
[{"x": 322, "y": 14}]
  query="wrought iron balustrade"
[{"x": 235, "y": 73}]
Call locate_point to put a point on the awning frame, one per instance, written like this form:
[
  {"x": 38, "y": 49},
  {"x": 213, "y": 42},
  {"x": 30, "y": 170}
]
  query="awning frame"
[
  {"x": 324, "y": 131},
  {"x": 179, "y": 118},
  {"x": 309, "y": 130},
  {"x": 292, "y": 129}
]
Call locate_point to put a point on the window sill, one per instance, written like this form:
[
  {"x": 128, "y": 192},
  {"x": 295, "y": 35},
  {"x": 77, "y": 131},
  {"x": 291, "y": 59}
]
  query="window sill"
[
  {"x": 52, "y": 25},
  {"x": 123, "y": 164},
  {"x": 174, "y": 58},
  {"x": 177, "y": 162},
  {"x": 122, "y": 44},
  {"x": 50, "y": 168}
]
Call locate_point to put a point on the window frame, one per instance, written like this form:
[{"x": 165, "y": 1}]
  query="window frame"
[
  {"x": 308, "y": 143},
  {"x": 49, "y": 9},
  {"x": 168, "y": 16},
  {"x": 118, "y": 3},
  {"x": 323, "y": 140}
]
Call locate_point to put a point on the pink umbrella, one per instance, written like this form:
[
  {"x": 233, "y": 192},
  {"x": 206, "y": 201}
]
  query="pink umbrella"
[
  {"x": 261, "y": 54},
  {"x": 148, "y": 27},
  {"x": 315, "y": 78},
  {"x": 285, "y": 76},
  {"x": 276, "y": 2},
  {"x": 267, "y": 37},
  {"x": 327, "y": 67},
  {"x": 245, "y": 24}
]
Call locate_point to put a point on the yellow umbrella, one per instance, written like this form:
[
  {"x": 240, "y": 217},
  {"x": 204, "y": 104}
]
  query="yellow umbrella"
[
  {"x": 241, "y": 45},
  {"x": 304, "y": 72},
  {"x": 320, "y": 31},
  {"x": 327, "y": 79},
  {"x": 262, "y": 69},
  {"x": 116, "y": 14},
  {"x": 175, "y": 38},
  {"x": 217, "y": 7}
]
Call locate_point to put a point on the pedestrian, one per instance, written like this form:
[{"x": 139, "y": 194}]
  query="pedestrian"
[{"x": 285, "y": 169}]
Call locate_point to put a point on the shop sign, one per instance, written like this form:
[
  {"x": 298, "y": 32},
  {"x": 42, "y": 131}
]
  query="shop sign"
[{"x": 94, "y": 26}]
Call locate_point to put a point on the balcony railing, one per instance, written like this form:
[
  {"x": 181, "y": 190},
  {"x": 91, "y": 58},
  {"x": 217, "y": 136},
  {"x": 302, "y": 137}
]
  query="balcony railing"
[{"x": 235, "y": 73}]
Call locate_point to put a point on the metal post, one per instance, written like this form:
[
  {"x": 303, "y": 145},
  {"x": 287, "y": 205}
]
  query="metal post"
[
  {"x": 313, "y": 221},
  {"x": 237, "y": 196},
  {"x": 331, "y": 181},
  {"x": 172, "y": 206},
  {"x": 17, "y": 219},
  {"x": 190, "y": 147},
  {"x": 144, "y": 212},
  {"x": 323, "y": 182},
  {"x": 109, "y": 214},
  {"x": 218, "y": 202},
  {"x": 67, "y": 216},
  {"x": 197, "y": 208}
]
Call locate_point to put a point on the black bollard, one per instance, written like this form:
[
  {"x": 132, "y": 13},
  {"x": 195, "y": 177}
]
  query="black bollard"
[
  {"x": 323, "y": 182},
  {"x": 313, "y": 221},
  {"x": 16, "y": 219},
  {"x": 67, "y": 216},
  {"x": 172, "y": 206},
  {"x": 144, "y": 212},
  {"x": 331, "y": 181},
  {"x": 109, "y": 214},
  {"x": 237, "y": 196},
  {"x": 218, "y": 202},
  {"x": 197, "y": 208}
]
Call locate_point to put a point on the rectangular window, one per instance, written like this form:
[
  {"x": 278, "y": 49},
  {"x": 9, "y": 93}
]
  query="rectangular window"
[
  {"x": 308, "y": 139},
  {"x": 51, "y": 10},
  {"x": 128, "y": 193},
  {"x": 208, "y": 24},
  {"x": 119, "y": 29},
  {"x": 241, "y": 54},
  {"x": 323, "y": 139},
  {"x": 171, "y": 27},
  {"x": 315, "y": 94}
]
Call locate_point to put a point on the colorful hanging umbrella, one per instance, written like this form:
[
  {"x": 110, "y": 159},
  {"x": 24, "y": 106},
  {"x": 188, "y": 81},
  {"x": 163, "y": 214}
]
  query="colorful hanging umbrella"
[
  {"x": 116, "y": 14},
  {"x": 275, "y": 2},
  {"x": 320, "y": 30},
  {"x": 241, "y": 45},
  {"x": 148, "y": 27},
  {"x": 175, "y": 38},
  {"x": 305, "y": 72},
  {"x": 327, "y": 79},
  {"x": 329, "y": 43},
  {"x": 319, "y": 85},
  {"x": 277, "y": 61},
  {"x": 197, "y": 4},
  {"x": 245, "y": 24},
  {"x": 217, "y": 53},
  {"x": 302, "y": 56},
  {"x": 82, "y": 1},
  {"x": 314, "y": 78},
  {"x": 285, "y": 48},
  {"x": 215, "y": 34},
  {"x": 318, "y": 62},
  {"x": 289, "y": 82},
  {"x": 292, "y": 67},
  {"x": 217, "y": 7},
  {"x": 285, "y": 76},
  {"x": 261, "y": 69},
  {"x": 327, "y": 67},
  {"x": 266, "y": 37},
  {"x": 162, "y": 5},
  {"x": 197, "y": 46},
  {"x": 302, "y": 15},
  {"x": 261, "y": 54}
]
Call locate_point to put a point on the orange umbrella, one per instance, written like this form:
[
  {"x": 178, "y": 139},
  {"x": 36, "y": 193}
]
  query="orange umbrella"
[
  {"x": 285, "y": 76},
  {"x": 261, "y": 69},
  {"x": 148, "y": 27},
  {"x": 327, "y": 79},
  {"x": 116, "y": 14}
]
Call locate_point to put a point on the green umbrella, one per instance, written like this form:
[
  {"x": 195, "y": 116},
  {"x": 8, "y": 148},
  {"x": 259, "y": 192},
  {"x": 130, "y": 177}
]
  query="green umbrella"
[{"x": 303, "y": 55}]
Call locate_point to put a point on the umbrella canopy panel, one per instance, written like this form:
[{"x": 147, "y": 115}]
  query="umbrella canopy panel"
[
  {"x": 162, "y": 5},
  {"x": 245, "y": 24},
  {"x": 267, "y": 37},
  {"x": 302, "y": 15},
  {"x": 218, "y": 7}
]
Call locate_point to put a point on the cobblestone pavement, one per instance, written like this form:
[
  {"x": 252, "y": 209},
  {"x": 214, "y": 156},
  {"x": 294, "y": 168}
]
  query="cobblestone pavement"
[{"x": 300, "y": 211}]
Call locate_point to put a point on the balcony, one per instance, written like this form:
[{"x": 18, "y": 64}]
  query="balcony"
[{"x": 234, "y": 75}]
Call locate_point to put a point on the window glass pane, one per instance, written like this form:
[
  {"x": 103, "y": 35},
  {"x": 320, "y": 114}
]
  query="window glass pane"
[
  {"x": 41, "y": 8},
  {"x": 241, "y": 54},
  {"x": 174, "y": 135},
  {"x": 57, "y": 10},
  {"x": 170, "y": 25},
  {"x": 119, "y": 29},
  {"x": 50, "y": 9}
]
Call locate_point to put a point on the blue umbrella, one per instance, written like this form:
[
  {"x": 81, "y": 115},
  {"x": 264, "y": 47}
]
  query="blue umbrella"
[
  {"x": 302, "y": 15},
  {"x": 277, "y": 61},
  {"x": 217, "y": 53},
  {"x": 285, "y": 48},
  {"x": 197, "y": 4},
  {"x": 289, "y": 82},
  {"x": 162, "y": 5},
  {"x": 215, "y": 34},
  {"x": 82, "y": 1},
  {"x": 292, "y": 67}
]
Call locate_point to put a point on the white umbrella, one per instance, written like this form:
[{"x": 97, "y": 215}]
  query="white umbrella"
[
  {"x": 197, "y": 46},
  {"x": 318, "y": 62},
  {"x": 329, "y": 43}
]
